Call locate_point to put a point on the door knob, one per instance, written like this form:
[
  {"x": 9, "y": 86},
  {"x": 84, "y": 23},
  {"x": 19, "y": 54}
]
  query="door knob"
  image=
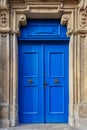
[
  {"x": 56, "y": 81},
  {"x": 45, "y": 83},
  {"x": 30, "y": 81}
]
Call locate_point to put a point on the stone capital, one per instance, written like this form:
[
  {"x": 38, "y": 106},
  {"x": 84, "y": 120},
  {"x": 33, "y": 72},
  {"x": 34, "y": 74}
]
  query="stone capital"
[
  {"x": 4, "y": 21},
  {"x": 4, "y": 16},
  {"x": 66, "y": 20},
  {"x": 3, "y": 4},
  {"x": 82, "y": 4},
  {"x": 82, "y": 19}
]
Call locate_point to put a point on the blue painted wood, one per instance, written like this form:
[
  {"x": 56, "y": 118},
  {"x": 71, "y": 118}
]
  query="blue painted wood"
[
  {"x": 31, "y": 95},
  {"x": 56, "y": 68},
  {"x": 43, "y": 60},
  {"x": 43, "y": 30}
]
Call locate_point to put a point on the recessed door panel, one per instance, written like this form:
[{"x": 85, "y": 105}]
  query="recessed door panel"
[
  {"x": 56, "y": 58},
  {"x": 32, "y": 59},
  {"x": 56, "y": 94}
]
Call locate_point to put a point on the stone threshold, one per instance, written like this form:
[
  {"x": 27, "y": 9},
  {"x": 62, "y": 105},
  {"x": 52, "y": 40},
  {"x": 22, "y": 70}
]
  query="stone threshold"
[{"x": 41, "y": 127}]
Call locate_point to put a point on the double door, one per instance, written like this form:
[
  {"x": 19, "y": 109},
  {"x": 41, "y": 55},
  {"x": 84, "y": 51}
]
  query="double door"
[{"x": 43, "y": 82}]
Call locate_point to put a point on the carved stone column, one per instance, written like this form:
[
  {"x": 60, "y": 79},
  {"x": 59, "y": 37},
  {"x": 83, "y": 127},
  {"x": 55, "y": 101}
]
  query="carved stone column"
[
  {"x": 4, "y": 63},
  {"x": 66, "y": 20},
  {"x": 4, "y": 79},
  {"x": 13, "y": 114},
  {"x": 18, "y": 20},
  {"x": 78, "y": 65},
  {"x": 80, "y": 108}
]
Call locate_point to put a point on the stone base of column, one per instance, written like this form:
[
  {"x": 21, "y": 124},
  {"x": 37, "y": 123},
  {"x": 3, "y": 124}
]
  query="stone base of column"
[
  {"x": 71, "y": 121},
  {"x": 81, "y": 123},
  {"x": 8, "y": 123},
  {"x": 80, "y": 116},
  {"x": 14, "y": 115},
  {"x": 81, "y": 120},
  {"x": 13, "y": 123},
  {"x": 71, "y": 115},
  {"x": 4, "y": 123}
]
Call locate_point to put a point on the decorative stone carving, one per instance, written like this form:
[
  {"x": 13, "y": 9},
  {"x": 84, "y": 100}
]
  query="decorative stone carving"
[
  {"x": 31, "y": 10},
  {"x": 3, "y": 19},
  {"x": 83, "y": 19},
  {"x": 4, "y": 16},
  {"x": 82, "y": 16},
  {"x": 83, "y": 4},
  {"x": 46, "y": 9},
  {"x": 3, "y": 4},
  {"x": 3, "y": 35},
  {"x": 66, "y": 20},
  {"x": 21, "y": 20}
]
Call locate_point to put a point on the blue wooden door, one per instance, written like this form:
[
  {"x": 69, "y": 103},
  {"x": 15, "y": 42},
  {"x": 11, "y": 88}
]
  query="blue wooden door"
[
  {"x": 43, "y": 82},
  {"x": 31, "y": 91},
  {"x": 56, "y": 77}
]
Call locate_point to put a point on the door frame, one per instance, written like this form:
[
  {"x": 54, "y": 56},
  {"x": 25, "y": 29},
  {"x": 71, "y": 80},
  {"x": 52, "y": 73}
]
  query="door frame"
[
  {"x": 20, "y": 19},
  {"x": 15, "y": 79}
]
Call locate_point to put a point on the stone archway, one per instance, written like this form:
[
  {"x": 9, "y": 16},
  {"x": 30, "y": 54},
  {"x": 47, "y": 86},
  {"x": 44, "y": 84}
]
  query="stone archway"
[{"x": 10, "y": 21}]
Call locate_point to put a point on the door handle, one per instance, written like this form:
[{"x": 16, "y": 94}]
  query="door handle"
[
  {"x": 56, "y": 81},
  {"x": 30, "y": 81},
  {"x": 45, "y": 84}
]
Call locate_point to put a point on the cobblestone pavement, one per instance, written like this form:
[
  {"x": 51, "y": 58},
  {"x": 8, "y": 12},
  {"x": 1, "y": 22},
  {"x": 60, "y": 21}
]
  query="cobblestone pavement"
[{"x": 42, "y": 127}]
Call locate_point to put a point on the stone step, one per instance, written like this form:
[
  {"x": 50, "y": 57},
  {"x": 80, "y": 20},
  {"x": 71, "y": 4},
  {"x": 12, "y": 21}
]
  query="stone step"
[{"x": 41, "y": 127}]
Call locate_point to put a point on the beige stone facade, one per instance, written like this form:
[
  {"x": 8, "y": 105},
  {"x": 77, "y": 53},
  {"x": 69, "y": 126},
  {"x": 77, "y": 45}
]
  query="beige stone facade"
[{"x": 13, "y": 14}]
